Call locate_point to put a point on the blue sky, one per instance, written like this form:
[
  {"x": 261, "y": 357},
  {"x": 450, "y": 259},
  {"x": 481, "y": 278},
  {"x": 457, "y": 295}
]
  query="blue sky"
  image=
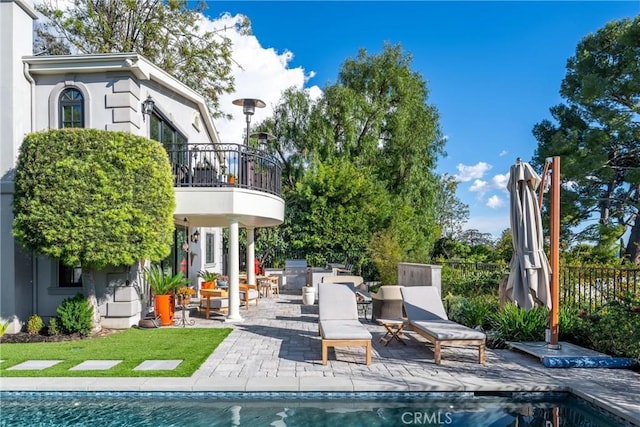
[{"x": 493, "y": 70}]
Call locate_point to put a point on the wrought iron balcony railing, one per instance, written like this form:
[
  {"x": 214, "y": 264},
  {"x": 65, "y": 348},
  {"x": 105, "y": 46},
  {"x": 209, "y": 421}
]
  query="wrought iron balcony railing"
[{"x": 226, "y": 165}]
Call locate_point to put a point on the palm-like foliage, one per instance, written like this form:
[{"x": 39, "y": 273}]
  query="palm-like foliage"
[{"x": 162, "y": 282}]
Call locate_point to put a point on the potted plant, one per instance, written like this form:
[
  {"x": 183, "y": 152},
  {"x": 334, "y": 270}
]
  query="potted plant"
[
  {"x": 232, "y": 178},
  {"x": 223, "y": 281},
  {"x": 208, "y": 279},
  {"x": 185, "y": 293},
  {"x": 162, "y": 285}
]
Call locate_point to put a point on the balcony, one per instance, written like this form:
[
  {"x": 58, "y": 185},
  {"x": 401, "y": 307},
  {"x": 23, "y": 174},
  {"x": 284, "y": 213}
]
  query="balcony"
[{"x": 215, "y": 184}]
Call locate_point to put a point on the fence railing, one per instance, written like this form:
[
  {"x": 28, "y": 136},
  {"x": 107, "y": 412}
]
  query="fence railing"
[
  {"x": 225, "y": 165},
  {"x": 592, "y": 287},
  {"x": 584, "y": 287},
  {"x": 463, "y": 269}
]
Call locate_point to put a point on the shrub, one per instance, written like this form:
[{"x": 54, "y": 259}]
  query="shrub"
[
  {"x": 482, "y": 309},
  {"x": 615, "y": 328},
  {"x": 34, "y": 325},
  {"x": 570, "y": 324},
  {"x": 512, "y": 323},
  {"x": 54, "y": 326},
  {"x": 473, "y": 283},
  {"x": 457, "y": 308},
  {"x": 76, "y": 315}
]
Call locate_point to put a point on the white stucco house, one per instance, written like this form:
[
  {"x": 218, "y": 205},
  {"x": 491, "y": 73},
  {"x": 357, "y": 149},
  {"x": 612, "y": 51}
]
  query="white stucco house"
[{"x": 110, "y": 91}]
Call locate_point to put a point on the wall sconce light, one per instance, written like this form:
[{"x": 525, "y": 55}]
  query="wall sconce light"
[
  {"x": 147, "y": 106},
  {"x": 195, "y": 236}
]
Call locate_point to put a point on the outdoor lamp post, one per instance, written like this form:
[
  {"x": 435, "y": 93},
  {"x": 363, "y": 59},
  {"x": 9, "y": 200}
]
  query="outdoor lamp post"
[{"x": 249, "y": 106}]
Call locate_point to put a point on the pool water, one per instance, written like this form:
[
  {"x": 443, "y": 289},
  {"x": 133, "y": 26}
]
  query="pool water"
[{"x": 297, "y": 409}]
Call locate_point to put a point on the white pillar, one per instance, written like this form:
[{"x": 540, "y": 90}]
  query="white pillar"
[
  {"x": 234, "y": 276},
  {"x": 251, "y": 256}
]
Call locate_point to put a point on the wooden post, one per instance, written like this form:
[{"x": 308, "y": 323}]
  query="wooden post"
[{"x": 555, "y": 252}]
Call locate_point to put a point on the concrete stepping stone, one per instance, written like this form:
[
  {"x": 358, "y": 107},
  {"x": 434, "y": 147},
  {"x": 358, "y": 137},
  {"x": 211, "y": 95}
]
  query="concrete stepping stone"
[
  {"x": 34, "y": 365},
  {"x": 95, "y": 365},
  {"x": 158, "y": 365}
]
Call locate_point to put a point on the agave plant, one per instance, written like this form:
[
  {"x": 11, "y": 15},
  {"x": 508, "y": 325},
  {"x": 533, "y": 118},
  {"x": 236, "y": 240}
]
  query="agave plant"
[{"x": 162, "y": 282}]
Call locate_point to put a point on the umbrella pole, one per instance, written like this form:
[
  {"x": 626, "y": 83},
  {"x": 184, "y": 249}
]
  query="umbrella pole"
[{"x": 555, "y": 253}]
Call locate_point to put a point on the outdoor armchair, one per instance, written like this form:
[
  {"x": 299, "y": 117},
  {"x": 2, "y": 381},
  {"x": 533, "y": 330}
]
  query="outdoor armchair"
[
  {"x": 249, "y": 293},
  {"x": 338, "y": 322},
  {"x": 428, "y": 318}
]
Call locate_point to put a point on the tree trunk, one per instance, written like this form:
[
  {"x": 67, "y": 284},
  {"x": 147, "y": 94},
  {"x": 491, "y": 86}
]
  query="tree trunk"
[
  {"x": 89, "y": 288},
  {"x": 632, "y": 253}
]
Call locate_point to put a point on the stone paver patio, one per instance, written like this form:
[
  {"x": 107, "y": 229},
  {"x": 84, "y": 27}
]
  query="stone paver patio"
[{"x": 277, "y": 348}]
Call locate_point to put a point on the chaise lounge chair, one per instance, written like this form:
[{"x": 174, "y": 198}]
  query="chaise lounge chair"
[
  {"x": 338, "y": 323},
  {"x": 428, "y": 318}
]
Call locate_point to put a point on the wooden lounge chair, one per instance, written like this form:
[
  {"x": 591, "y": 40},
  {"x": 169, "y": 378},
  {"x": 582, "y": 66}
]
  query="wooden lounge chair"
[
  {"x": 338, "y": 323},
  {"x": 428, "y": 318}
]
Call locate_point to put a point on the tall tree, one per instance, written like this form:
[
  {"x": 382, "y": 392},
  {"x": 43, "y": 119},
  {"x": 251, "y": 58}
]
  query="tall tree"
[
  {"x": 168, "y": 33},
  {"x": 96, "y": 197},
  {"x": 451, "y": 213},
  {"x": 597, "y": 133},
  {"x": 377, "y": 119}
]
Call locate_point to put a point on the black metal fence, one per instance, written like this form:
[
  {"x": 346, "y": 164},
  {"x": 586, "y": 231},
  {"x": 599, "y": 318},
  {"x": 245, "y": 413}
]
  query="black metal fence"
[
  {"x": 226, "y": 165},
  {"x": 464, "y": 269},
  {"x": 591, "y": 287},
  {"x": 584, "y": 287}
]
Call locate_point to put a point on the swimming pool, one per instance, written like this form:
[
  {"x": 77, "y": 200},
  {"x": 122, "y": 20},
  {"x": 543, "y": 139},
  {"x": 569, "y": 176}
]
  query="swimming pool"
[{"x": 155, "y": 409}]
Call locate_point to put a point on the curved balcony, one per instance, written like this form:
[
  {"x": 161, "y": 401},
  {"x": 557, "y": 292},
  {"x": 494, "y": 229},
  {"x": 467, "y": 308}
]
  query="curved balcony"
[{"x": 216, "y": 183}]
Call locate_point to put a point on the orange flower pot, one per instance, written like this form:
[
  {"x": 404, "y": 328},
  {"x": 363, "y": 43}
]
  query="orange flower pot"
[{"x": 163, "y": 308}]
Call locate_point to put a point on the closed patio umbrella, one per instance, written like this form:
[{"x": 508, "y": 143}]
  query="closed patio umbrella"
[{"x": 529, "y": 278}]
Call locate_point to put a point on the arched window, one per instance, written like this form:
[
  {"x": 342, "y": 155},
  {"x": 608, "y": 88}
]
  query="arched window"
[{"x": 71, "y": 109}]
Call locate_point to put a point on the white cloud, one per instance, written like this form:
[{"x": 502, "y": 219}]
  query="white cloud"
[
  {"x": 503, "y": 153},
  {"x": 467, "y": 173},
  {"x": 500, "y": 182},
  {"x": 259, "y": 72},
  {"x": 495, "y": 202},
  {"x": 479, "y": 186}
]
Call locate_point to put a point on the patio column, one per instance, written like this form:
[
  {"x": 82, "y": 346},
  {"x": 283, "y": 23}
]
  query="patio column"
[
  {"x": 234, "y": 274},
  {"x": 251, "y": 256}
]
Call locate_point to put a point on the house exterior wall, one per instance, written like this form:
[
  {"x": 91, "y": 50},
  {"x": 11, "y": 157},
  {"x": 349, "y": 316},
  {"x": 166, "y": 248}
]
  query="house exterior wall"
[
  {"x": 29, "y": 96},
  {"x": 15, "y": 121}
]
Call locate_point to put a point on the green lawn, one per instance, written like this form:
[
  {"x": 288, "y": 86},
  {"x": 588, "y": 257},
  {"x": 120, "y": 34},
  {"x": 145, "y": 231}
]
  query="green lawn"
[{"x": 133, "y": 346}]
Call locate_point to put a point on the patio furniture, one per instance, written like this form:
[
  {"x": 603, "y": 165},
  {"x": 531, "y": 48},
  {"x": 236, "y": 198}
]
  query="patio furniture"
[
  {"x": 428, "y": 318},
  {"x": 213, "y": 299},
  {"x": 387, "y": 303},
  {"x": 338, "y": 323},
  {"x": 356, "y": 284},
  {"x": 394, "y": 327},
  {"x": 275, "y": 285},
  {"x": 249, "y": 293}
]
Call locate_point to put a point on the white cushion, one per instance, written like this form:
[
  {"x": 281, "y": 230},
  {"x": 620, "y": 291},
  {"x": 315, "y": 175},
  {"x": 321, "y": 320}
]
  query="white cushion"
[
  {"x": 447, "y": 330},
  {"x": 343, "y": 330}
]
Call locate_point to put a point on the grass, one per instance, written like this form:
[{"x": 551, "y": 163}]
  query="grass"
[{"x": 133, "y": 346}]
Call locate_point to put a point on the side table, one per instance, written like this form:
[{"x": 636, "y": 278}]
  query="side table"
[{"x": 394, "y": 327}]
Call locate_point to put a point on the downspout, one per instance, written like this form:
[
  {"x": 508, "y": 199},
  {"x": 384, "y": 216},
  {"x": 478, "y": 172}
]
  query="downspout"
[
  {"x": 32, "y": 93},
  {"x": 34, "y": 256}
]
